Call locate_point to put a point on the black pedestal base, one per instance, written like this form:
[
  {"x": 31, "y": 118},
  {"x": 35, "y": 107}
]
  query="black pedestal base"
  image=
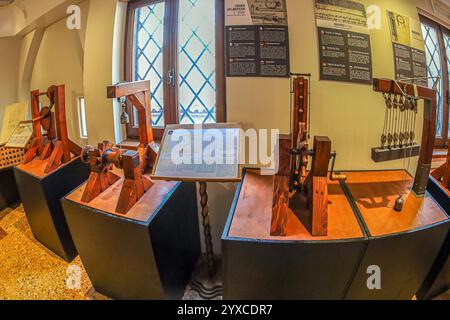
[
  {"x": 207, "y": 286},
  {"x": 438, "y": 279},
  {"x": 139, "y": 260},
  {"x": 41, "y": 201},
  {"x": 9, "y": 194}
]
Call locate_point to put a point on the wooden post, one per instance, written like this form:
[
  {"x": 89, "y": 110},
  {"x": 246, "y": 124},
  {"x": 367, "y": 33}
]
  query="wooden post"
[
  {"x": 319, "y": 185},
  {"x": 280, "y": 205},
  {"x": 138, "y": 93},
  {"x": 135, "y": 184}
]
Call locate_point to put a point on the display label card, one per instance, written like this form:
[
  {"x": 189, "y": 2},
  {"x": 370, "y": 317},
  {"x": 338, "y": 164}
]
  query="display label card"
[
  {"x": 199, "y": 153},
  {"x": 257, "y": 38},
  {"x": 408, "y": 48},
  {"x": 345, "y": 52},
  {"x": 20, "y": 136},
  {"x": 13, "y": 115}
]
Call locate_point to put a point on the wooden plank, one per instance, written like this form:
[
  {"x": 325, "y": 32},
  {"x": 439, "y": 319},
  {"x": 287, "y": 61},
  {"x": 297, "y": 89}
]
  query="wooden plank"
[
  {"x": 375, "y": 194},
  {"x": 141, "y": 211},
  {"x": 319, "y": 210},
  {"x": 322, "y": 155},
  {"x": 127, "y": 88},
  {"x": 61, "y": 122},
  {"x": 280, "y": 192},
  {"x": 253, "y": 214}
]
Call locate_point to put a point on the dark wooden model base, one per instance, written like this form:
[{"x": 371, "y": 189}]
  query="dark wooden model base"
[
  {"x": 404, "y": 245},
  {"x": 149, "y": 253},
  {"x": 438, "y": 280},
  {"x": 9, "y": 194},
  {"x": 364, "y": 231},
  {"x": 41, "y": 194},
  {"x": 298, "y": 266}
]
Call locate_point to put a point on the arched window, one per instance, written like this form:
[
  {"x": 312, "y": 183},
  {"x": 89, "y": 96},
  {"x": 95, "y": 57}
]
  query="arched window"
[{"x": 178, "y": 46}]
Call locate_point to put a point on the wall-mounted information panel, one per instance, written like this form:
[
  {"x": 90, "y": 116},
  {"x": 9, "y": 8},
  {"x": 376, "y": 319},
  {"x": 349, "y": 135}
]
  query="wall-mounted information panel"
[
  {"x": 344, "y": 41},
  {"x": 257, "y": 38},
  {"x": 407, "y": 41}
]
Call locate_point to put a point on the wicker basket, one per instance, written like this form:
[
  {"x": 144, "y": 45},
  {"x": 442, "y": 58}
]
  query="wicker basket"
[{"x": 10, "y": 157}]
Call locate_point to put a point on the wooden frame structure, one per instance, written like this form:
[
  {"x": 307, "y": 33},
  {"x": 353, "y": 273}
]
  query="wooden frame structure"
[
  {"x": 57, "y": 147},
  {"x": 134, "y": 163},
  {"x": 442, "y": 174},
  {"x": 138, "y": 94},
  {"x": 429, "y": 97},
  {"x": 294, "y": 187}
]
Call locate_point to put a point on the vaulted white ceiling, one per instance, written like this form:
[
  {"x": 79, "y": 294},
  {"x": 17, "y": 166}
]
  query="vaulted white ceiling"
[{"x": 19, "y": 15}]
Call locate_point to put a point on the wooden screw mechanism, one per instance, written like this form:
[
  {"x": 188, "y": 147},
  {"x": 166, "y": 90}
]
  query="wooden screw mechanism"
[
  {"x": 133, "y": 163},
  {"x": 57, "y": 147},
  {"x": 102, "y": 159},
  {"x": 294, "y": 187}
]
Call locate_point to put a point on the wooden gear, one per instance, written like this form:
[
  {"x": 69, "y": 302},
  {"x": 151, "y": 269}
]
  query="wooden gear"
[
  {"x": 57, "y": 147},
  {"x": 294, "y": 187}
]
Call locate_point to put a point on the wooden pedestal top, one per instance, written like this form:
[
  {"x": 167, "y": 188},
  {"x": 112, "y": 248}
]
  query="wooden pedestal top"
[
  {"x": 253, "y": 214},
  {"x": 36, "y": 167},
  {"x": 375, "y": 194},
  {"x": 141, "y": 211}
]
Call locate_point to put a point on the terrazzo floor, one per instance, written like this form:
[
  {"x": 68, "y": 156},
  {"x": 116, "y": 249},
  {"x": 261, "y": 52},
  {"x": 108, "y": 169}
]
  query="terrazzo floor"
[{"x": 29, "y": 271}]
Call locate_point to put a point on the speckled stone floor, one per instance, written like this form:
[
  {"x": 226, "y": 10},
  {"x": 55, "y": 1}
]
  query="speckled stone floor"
[{"x": 28, "y": 271}]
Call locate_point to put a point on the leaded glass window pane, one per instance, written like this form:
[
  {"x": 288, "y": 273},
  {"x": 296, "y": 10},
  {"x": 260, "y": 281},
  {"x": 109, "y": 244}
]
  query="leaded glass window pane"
[
  {"x": 447, "y": 51},
  {"x": 196, "y": 62},
  {"x": 149, "y": 56},
  {"x": 434, "y": 69}
]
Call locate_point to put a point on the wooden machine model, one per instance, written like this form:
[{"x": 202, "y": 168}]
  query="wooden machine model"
[
  {"x": 55, "y": 144},
  {"x": 134, "y": 163},
  {"x": 398, "y": 138},
  {"x": 296, "y": 188},
  {"x": 442, "y": 174}
]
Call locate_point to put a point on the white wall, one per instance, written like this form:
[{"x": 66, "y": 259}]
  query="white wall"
[
  {"x": 9, "y": 61},
  {"x": 57, "y": 62}
]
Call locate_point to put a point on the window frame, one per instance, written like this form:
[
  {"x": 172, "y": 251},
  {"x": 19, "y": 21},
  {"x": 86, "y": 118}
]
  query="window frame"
[
  {"x": 442, "y": 141},
  {"x": 170, "y": 62},
  {"x": 82, "y": 121}
]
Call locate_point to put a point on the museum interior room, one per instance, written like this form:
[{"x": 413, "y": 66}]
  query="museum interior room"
[{"x": 279, "y": 150}]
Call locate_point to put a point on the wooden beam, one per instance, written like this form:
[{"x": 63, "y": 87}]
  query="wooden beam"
[{"x": 127, "y": 88}]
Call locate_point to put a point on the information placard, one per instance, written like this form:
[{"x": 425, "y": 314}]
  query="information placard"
[
  {"x": 257, "y": 38},
  {"x": 408, "y": 44},
  {"x": 20, "y": 136},
  {"x": 199, "y": 153},
  {"x": 344, "y": 41},
  {"x": 13, "y": 115}
]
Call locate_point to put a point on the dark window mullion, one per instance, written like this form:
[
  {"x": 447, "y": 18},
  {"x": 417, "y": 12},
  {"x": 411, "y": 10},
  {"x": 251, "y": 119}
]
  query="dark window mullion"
[{"x": 172, "y": 67}]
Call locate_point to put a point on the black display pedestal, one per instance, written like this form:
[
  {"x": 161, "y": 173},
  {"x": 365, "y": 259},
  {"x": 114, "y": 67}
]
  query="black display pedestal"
[
  {"x": 438, "y": 279},
  {"x": 298, "y": 266},
  {"x": 150, "y": 253},
  {"x": 9, "y": 194},
  {"x": 403, "y": 245},
  {"x": 41, "y": 196}
]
